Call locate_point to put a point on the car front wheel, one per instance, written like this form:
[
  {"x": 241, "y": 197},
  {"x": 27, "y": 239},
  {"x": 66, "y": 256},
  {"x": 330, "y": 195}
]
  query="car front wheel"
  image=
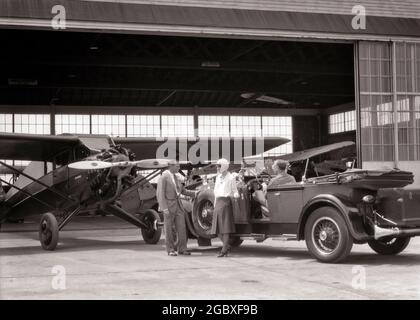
[
  {"x": 202, "y": 213},
  {"x": 389, "y": 246},
  {"x": 327, "y": 236}
]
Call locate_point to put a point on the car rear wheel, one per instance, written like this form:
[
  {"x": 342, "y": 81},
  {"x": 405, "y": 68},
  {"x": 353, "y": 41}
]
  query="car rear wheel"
[
  {"x": 327, "y": 236},
  {"x": 389, "y": 246},
  {"x": 202, "y": 214},
  {"x": 152, "y": 234}
]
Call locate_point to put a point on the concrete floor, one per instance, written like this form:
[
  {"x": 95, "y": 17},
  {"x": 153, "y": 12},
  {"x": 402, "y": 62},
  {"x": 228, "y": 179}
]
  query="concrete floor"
[{"x": 104, "y": 258}]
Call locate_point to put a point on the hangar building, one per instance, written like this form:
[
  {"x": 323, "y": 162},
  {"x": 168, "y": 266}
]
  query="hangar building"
[{"x": 300, "y": 69}]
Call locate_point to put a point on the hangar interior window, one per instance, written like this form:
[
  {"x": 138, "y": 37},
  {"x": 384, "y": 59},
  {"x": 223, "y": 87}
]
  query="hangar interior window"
[
  {"x": 248, "y": 126},
  {"x": 24, "y": 123},
  {"x": 177, "y": 126},
  {"x": 113, "y": 125},
  {"x": 6, "y": 122},
  {"x": 143, "y": 125},
  {"x": 213, "y": 126},
  {"x": 342, "y": 122},
  {"x": 275, "y": 127},
  {"x": 6, "y": 125},
  {"x": 245, "y": 126},
  {"x": 72, "y": 123},
  {"x": 32, "y": 123}
]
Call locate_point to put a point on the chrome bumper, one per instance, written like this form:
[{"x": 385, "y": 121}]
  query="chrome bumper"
[{"x": 394, "y": 232}]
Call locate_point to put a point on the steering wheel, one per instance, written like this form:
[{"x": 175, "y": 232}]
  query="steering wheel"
[{"x": 254, "y": 184}]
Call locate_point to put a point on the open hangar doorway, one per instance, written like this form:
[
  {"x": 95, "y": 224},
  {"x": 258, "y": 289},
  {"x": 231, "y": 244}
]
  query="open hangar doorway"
[{"x": 130, "y": 74}]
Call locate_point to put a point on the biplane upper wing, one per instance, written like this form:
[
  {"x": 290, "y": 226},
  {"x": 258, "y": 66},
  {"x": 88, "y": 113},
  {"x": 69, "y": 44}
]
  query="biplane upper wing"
[
  {"x": 16, "y": 146},
  {"x": 313, "y": 152},
  {"x": 19, "y": 146},
  {"x": 206, "y": 149}
]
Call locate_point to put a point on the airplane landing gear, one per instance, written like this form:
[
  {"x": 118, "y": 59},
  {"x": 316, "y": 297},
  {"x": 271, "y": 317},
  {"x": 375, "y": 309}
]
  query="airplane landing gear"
[
  {"x": 48, "y": 231},
  {"x": 152, "y": 234}
]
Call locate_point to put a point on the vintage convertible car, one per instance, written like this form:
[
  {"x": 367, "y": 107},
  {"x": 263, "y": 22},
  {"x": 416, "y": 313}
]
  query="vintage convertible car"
[{"x": 330, "y": 212}]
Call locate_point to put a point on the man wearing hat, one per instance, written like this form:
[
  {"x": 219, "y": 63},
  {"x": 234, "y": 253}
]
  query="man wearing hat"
[
  {"x": 282, "y": 177},
  {"x": 169, "y": 188}
]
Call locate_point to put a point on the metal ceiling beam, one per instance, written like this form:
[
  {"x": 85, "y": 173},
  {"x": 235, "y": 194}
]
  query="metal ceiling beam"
[
  {"x": 327, "y": 92},
  {"x": 166, "y": 98},
  {"x": 160, "y": 110},
  {"x": 188, "y": 64}
]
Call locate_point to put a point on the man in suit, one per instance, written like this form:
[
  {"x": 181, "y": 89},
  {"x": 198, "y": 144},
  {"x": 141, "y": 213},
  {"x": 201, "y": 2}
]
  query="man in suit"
[{"x": 169, "y": 188}]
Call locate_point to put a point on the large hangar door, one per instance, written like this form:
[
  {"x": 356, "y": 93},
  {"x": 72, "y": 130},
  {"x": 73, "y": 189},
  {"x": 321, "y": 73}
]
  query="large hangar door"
[
  {"x": 389, "y": 84},
  {"x": 375, "y": 107}
]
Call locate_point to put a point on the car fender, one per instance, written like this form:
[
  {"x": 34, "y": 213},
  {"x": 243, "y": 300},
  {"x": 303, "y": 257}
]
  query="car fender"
[{"x": 348, "y": 211}]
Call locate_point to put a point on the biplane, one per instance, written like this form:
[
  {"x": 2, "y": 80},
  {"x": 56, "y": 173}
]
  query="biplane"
[{"x": 72, "y": 174}]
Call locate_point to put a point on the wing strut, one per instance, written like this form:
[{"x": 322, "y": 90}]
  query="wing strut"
[
  {"x": 27, "y": 193},
  {"x": 60, "y": 194}
]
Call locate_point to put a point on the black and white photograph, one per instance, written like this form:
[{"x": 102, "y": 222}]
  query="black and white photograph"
[{"x": 220, "y": 151}]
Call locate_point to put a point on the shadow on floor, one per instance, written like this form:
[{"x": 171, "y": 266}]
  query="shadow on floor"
[{"x": 68, "y": 244}]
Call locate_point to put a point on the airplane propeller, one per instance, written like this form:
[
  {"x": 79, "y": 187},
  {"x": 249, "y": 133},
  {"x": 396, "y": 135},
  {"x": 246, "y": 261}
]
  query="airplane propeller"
[{"x": 98, "y": 165}]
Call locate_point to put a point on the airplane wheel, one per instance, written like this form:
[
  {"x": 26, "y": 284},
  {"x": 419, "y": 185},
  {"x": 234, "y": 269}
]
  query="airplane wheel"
[
  {"x": 202, "y": 214},
  {"x": 327, "y": 236},
  {"x": 389, "y": 246},
  {"x": 48, "y": 231},
  {"x": 153, "y": 233}
]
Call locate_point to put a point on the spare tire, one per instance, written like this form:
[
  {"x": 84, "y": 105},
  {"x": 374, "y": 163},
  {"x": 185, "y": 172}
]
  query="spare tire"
[{"x": 202, "y": 213}]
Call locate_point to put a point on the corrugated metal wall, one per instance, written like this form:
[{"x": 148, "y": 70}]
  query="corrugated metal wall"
[
  {"x": 387, "y": 8},
  {"x": 176, "y": 16}
]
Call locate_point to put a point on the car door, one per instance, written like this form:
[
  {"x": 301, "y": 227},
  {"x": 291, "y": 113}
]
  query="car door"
[{"x": 285, "y": 203}]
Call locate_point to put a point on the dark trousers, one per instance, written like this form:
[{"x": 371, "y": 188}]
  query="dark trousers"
[
  {"x": 225, "y": 239},
  {"x": 175, "y": 226}
]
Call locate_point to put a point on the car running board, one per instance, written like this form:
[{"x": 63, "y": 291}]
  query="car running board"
[
  {"x": 260, "y": 237},
  {"x": 284, "y": 237}
]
